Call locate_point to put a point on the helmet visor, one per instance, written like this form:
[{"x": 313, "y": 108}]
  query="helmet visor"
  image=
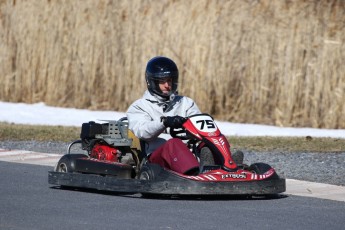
[{"x": 165, "y": 86}]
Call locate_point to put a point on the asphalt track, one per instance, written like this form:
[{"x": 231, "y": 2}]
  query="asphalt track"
[{"x": 27, "y": 201}]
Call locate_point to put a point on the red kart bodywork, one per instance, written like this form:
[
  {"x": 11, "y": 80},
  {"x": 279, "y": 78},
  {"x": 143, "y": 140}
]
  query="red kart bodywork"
[{"x": 225, "y": 176}]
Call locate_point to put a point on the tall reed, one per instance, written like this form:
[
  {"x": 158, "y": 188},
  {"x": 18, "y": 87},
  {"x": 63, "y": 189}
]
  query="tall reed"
[{"x": 271, "y": 62}]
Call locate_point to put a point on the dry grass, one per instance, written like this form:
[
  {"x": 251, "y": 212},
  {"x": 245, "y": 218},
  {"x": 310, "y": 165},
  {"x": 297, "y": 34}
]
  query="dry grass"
[
  {"x": 289, "y": 144},
  {"x": 38, "y": 133},
  {"x": 276, "y": 144},
  {"x": 271, "y": 62}
]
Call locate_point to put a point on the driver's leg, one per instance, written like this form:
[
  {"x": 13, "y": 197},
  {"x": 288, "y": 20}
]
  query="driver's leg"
[{"x": 175, "y": 155}]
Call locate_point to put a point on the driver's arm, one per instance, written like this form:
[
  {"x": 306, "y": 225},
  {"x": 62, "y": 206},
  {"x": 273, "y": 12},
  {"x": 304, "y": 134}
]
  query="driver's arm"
[
  {"x": 191, "y": 108},
  {"x": 143, "y": 125}
]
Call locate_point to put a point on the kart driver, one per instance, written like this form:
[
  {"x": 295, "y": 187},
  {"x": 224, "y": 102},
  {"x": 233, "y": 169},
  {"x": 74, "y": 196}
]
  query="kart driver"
[{"x": 161, "y": 108}]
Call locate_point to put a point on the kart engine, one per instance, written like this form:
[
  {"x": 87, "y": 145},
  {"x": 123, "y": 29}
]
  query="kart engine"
[
  {"x": 104, "y": 141},
  {"x": 105, "y": 152}
]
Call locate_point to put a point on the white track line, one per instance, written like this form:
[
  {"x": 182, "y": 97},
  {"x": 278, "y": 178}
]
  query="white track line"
[
  {"x": 28, "y": 157},
  {"x": 293, "y": 187}
]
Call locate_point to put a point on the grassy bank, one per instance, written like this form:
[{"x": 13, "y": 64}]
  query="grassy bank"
[
  {"x": 280, "y": 144},
  {"x": 38, "y": 133}
]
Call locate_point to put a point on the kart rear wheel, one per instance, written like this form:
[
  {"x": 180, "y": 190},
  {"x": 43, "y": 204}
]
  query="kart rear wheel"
[{"x": 66, "y": 163}]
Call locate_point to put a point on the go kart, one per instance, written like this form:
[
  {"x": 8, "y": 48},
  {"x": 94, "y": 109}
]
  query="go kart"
[{"x": 108, "y": 157}]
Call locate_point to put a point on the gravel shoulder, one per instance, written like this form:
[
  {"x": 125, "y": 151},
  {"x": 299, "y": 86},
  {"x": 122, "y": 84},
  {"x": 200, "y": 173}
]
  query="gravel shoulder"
[{"x": 326, "y": 168}]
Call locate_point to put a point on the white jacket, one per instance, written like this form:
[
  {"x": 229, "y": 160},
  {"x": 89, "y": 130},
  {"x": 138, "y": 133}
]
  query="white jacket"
[{"x": 144, "y": 117}]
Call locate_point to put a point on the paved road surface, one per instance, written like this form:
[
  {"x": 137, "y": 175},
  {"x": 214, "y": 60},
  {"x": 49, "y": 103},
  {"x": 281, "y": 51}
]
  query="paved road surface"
[{"x": 28, "y": 202}]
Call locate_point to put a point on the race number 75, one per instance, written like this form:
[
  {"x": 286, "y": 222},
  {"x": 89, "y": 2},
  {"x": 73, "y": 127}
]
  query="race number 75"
[{"x": 208, "y": 123}]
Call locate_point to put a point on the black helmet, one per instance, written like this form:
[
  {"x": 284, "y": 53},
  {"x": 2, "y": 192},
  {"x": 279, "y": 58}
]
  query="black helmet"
[{"x": 157, "y": 69}]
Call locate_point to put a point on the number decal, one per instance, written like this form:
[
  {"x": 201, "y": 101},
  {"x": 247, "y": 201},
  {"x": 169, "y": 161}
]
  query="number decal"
[
  {"x": 209, "y": 124},
  {"x": 204, "y": 123}
]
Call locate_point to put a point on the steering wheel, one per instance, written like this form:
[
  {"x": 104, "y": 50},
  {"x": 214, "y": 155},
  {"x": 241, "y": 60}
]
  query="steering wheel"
[{"x": 179, "y": 133}]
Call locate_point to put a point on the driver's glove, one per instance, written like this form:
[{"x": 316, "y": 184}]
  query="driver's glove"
[{"x": 173, "y": 122}]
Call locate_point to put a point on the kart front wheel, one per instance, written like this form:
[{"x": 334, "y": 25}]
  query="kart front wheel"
[
  {"x": 261, "y": 168},
  {"x": 149, "y": 171}
]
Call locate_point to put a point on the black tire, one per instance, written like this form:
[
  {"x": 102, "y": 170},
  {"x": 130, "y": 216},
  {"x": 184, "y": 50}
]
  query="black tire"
[
  {"x": 66, "y": 163},
  {"x": 149, "y": 171},
  {"x": 261, "y": 168},
  {"x": 206, "y": 157}
]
